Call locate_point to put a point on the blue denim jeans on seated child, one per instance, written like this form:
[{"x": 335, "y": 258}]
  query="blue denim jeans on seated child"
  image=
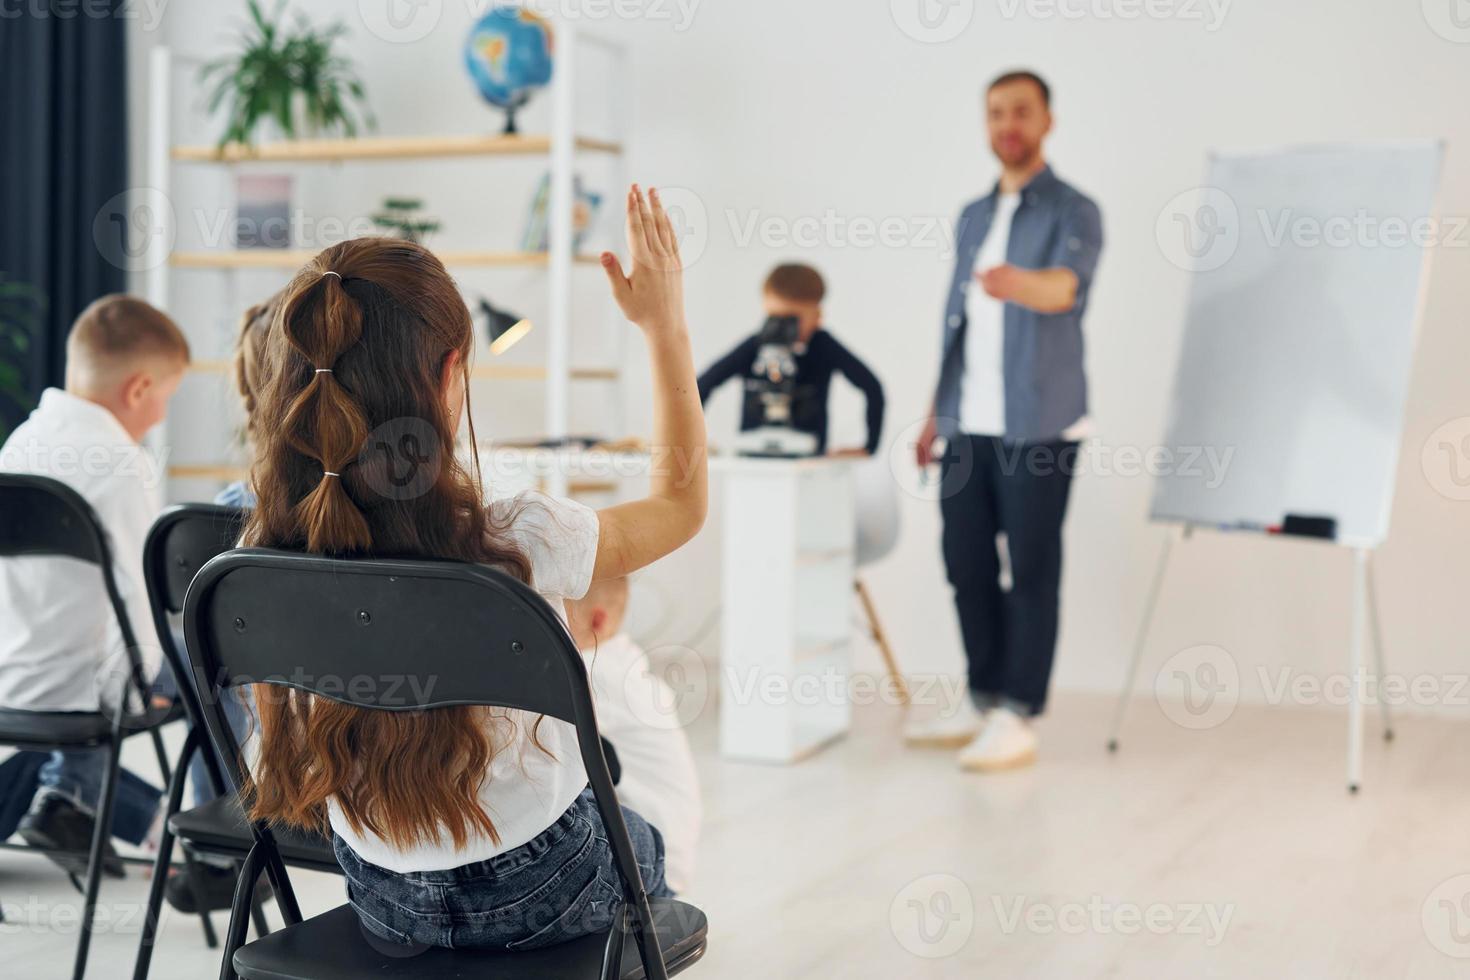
[{"x": 561, "y": 884}]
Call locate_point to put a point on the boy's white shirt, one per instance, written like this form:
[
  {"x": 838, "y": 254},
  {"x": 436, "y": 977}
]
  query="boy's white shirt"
[
  {"x": 60, "y": 646},
  {"x": 635, "y": 712}
]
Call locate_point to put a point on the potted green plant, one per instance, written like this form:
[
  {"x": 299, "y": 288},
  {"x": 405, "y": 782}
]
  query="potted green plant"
[
  {"x": 400, "y": 216},
  {"x": 292, "y": 77},
  {"x": 20, "y": 309}
]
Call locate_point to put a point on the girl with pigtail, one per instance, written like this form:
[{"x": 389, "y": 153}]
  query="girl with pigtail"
[{"x": 461, "y": 826}]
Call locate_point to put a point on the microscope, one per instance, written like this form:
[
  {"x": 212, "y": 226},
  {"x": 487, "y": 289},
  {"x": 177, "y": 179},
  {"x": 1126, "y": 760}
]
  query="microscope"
[{"x": 773, "y": 399}]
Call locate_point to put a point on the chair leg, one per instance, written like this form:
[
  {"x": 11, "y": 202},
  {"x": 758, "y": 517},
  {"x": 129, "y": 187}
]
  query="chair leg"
[
  {"x": 275, "y": 869},
  {"x": 244, "y": 890},
  {"x": 881, "y": 638},
  {"x": 612, "y": 953},
  {"x": 100, "y": 835},
  {"x": 161, "y": 863},
  {"x": 163, "y": 766},
  {"x": 257, "y": 915},
  {"x": 196, "y": 888},
  {"x": 191, "y": 863},
  {"x": 647, "y": 939}
]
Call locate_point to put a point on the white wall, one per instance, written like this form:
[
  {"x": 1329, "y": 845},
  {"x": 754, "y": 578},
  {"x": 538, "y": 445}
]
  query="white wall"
[{"x": 771, "y": 109}]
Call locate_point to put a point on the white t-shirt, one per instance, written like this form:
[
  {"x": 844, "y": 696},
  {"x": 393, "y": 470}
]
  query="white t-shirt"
[
  {"x": 60, "y": 646},
  {"x": 983, "y": 387},
  {"x": 635, "y": 712},
  {"x": 525, "y": 789}
]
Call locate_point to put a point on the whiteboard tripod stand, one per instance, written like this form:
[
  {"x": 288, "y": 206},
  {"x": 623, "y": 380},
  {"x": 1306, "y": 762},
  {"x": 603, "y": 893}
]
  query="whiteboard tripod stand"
[{"x": 1364, "y": 623}]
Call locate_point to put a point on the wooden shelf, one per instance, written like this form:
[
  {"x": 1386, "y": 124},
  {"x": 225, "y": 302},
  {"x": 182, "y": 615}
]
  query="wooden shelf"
[
  {"x": 383, "y": 148},
  {"x": 207, "y": 471},
  {"x": 534, "y": 372},
  {"x": 500, "y": 372},
  {"x": 293, "y": 258}
]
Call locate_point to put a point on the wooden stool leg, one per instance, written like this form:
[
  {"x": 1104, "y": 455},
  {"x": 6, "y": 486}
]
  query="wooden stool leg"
[{"x": 881, "y": 638}]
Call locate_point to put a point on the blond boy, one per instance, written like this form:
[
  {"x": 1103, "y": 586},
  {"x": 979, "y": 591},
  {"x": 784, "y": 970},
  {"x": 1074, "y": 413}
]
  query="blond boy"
[{"x": 61, "y": 648}]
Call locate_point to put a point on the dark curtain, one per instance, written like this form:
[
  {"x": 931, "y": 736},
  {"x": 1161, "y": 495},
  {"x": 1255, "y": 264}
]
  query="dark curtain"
[{"x": 63, "y": 159}]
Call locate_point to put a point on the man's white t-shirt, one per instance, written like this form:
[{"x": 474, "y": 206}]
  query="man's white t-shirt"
[
  {"x": 635, "y": 712},
  {"x": 983, "y": 386},
  {"x": 525, "y": 790},
  {"x": 61, "y": 648}
]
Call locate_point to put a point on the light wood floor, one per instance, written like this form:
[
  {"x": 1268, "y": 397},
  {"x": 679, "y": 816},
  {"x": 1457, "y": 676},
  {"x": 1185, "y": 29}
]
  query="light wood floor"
[{"x": 1233, "y": 852}]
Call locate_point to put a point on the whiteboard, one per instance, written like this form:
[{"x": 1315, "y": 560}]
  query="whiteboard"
[{"x": 1307, "y": 272}]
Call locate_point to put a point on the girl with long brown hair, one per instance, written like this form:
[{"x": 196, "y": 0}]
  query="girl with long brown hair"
[{"x": 455, "y": 826}]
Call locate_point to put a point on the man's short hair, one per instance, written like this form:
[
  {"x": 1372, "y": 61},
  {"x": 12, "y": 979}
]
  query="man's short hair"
[
  {"x": 796, "y": 282},
  {"x": 117, "y": 332},
  {"x": 1023, "y": 75}
]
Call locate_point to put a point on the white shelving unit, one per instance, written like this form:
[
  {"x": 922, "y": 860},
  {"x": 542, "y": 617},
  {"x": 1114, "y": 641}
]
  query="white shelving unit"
[
  {"x": 789, "y": 564},
  {"x": 561, "y": 147}
]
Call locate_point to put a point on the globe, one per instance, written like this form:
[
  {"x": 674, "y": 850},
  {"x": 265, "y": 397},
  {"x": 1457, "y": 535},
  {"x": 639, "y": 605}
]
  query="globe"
[{"x": 508, "y": 54}]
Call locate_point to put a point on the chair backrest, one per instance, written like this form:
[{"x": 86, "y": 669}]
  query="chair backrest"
[
  {"x": 41, "y": 516},
  {"x": 393, "y": 635},
  {"x": 875, "y": 499},
  {"x": 456, "y": 634},
  {"x": 179, "y": 543}
]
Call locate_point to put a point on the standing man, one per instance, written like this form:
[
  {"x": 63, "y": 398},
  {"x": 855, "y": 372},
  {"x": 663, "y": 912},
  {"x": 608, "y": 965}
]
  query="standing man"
[{"x": 1011, "y": 406}]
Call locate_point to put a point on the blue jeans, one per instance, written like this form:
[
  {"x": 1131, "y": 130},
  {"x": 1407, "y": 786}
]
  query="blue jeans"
[
  {"x": 78, "y": 774},
  {"x": 559, "y": 885},
  {"x": 19, "y": 777}
]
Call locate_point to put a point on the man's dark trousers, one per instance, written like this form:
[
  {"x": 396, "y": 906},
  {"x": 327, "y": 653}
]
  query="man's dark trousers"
[{"x": 988, "y": 486}]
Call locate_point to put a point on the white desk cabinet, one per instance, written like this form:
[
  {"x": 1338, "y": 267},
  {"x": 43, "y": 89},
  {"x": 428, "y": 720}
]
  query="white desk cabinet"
[{"x": 786, "y": 649}]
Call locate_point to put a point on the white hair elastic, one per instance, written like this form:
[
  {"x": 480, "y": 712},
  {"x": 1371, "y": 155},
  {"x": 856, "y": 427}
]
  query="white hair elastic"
[
  {"x": 327, "y": 473},
  {"x": 329, "y": 272},
  {"x": 323, "y": 370}
]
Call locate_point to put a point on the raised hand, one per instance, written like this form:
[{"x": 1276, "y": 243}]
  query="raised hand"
[
  {"x": 651, "y": 294},
  {"x": 636, "y": 532}
]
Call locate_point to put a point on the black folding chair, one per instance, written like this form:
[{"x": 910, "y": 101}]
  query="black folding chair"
[
  {"x": 424, "y": 635},
  {"x": 179, "y": 543},
  {"x": 40, "y": 516}
]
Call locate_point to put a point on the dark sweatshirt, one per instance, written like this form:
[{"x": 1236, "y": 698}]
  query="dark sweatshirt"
[{"x": 814, "y": 367}]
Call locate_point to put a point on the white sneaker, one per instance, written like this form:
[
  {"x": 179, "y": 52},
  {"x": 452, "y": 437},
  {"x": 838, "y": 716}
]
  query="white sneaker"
[
  {"x": 1008, "y": 742},
  {"x": 947, "y": 731}
]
